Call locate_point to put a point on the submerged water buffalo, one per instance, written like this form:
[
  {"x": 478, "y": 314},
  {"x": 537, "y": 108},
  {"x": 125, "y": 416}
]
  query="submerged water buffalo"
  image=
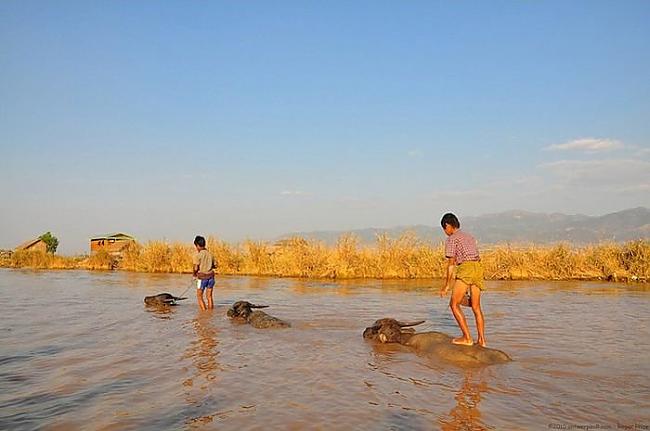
[
  {"x": 162, "y": 299},
  {"x": 243, "y": 311},
  {"x": 432, "y": 343}
]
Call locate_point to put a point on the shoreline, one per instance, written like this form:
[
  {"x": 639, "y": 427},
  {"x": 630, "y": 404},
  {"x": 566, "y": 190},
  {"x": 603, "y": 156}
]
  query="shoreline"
[
  {"x": 403, "y": 258},
  {"x": 632, "y": 279}
]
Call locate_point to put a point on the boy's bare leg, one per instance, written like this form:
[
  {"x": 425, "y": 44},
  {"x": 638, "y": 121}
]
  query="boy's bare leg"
[
  {"x": 208, "y": 294},
  {"x": 475, "y": 292},
  {"x": 199, "y": 297},
  {"x": 457, "y": 295}
]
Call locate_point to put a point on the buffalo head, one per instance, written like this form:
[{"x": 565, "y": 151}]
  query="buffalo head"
[
  {"x": 242, "y": 309},
  {"x": 389, "y": 330}
]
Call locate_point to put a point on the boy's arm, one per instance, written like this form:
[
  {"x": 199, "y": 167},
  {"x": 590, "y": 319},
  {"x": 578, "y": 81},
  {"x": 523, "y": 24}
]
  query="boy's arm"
[
  {"x": 451, "y": 267},
  {"x": 450, "y": 254},
  {"x": 195, "y": 266}
]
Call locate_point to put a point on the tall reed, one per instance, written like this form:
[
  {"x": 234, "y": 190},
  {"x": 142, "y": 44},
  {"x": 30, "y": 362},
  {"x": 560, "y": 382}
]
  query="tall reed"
[{"x": 400, "y": 258}]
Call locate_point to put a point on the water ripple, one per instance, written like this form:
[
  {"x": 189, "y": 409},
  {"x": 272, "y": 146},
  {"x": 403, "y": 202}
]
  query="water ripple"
[{"x": 90, "y": 352}]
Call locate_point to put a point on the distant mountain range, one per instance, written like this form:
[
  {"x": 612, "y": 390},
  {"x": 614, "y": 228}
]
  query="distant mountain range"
[{"x": 519, "y": 227}]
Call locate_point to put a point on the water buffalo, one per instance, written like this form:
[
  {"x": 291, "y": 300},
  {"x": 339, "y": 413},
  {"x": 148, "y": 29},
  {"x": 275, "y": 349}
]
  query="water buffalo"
[
  {"x": 162, "y": 299},
  {"x": 435, "y": 344},
  {"x": 243, "y": 311}
]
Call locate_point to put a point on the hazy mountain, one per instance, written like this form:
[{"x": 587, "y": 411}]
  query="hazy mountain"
[{"x": 520, "y": 226}]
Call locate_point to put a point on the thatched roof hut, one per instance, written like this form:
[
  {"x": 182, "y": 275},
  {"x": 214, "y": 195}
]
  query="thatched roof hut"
[{"x": 35, "y": 244}]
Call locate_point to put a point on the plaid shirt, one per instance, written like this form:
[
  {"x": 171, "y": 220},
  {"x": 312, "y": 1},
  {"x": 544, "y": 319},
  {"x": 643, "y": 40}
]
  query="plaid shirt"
[{"x": 462, "y": 246}]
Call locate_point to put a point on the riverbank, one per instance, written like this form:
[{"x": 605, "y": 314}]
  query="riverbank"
[{"x": 401, "y": 258}]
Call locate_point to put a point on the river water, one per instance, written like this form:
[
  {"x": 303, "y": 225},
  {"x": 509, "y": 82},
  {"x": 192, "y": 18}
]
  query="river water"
[{"x": 78, "y": 350}]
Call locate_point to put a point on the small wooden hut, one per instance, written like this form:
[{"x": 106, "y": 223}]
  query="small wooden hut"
[
  {"x": 35, "y": 244},
  {"x": 113, "y": 243}
]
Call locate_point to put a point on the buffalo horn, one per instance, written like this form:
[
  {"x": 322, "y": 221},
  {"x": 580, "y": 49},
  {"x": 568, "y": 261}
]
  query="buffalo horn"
[{"x": 405, "y": 324}]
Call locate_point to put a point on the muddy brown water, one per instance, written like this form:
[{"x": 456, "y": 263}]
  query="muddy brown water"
[{"x": 78, "y": 350}]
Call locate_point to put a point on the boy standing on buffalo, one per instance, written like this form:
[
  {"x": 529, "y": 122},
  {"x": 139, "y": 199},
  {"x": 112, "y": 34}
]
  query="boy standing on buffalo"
[
  {"x": 462, "y": 256},
  {"x": 203, "y": 273}
]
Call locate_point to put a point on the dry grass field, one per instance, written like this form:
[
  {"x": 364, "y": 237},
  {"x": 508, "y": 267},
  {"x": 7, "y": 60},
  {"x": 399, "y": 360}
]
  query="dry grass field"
[{"x": 399, "y": 258}]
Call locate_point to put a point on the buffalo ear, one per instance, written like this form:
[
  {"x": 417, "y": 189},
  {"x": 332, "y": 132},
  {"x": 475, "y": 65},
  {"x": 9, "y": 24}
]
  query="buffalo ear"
[
  {"x": 259, "y": 306},
  {"x": 405, "y": 324}
]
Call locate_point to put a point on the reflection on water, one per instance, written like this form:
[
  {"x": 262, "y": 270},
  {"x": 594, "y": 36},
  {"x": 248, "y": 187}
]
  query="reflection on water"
[
  {"x": 79, "y": 348},
  {"x": 160, "y": 311},
  {"x": 203, "y": 353},
  {"x": 203, "y": 350},
  {"x": 465, "y": 415}
]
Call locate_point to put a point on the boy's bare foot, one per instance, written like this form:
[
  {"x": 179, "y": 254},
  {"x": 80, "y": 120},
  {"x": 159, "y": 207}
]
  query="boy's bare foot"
[
  {"x": 481, "y": 343},
  {"x": 463, "y": 341}
]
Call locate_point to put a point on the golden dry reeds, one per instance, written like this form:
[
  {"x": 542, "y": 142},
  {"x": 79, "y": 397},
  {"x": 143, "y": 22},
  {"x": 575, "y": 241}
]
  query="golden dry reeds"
[
  {"x": 400, "y": 258},
  {"x": 40, "y": 260},
  {"x": 100, "y": 260},
  {"x": 606, "y": 261}
]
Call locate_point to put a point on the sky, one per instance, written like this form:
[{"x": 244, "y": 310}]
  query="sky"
[{"x": 253, "y": 119}]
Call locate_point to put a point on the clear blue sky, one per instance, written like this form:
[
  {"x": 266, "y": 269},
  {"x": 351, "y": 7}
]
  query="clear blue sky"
[{"x": 252, "y": 119}]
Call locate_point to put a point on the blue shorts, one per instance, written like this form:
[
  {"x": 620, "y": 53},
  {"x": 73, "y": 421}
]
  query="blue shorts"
[{"x": 208, "y": 283}]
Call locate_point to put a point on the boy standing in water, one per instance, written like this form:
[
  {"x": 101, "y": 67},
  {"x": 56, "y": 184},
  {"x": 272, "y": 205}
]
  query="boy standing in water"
[
  {"x": 462, "y": 256},
  {"x": 203, "y": 273}
]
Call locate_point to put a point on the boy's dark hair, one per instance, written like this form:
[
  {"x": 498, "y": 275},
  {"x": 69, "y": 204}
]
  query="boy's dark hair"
[
  {"x": 450, "y": 219},
  {"x": 200, "y": 241}
]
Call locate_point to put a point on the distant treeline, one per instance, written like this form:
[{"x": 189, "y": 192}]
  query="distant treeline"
[{"x": 404, "y": 257}]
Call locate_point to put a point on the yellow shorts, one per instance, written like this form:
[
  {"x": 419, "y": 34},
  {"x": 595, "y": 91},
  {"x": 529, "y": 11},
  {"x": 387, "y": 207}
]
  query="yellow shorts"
[{"x": 470, "y": 273}]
